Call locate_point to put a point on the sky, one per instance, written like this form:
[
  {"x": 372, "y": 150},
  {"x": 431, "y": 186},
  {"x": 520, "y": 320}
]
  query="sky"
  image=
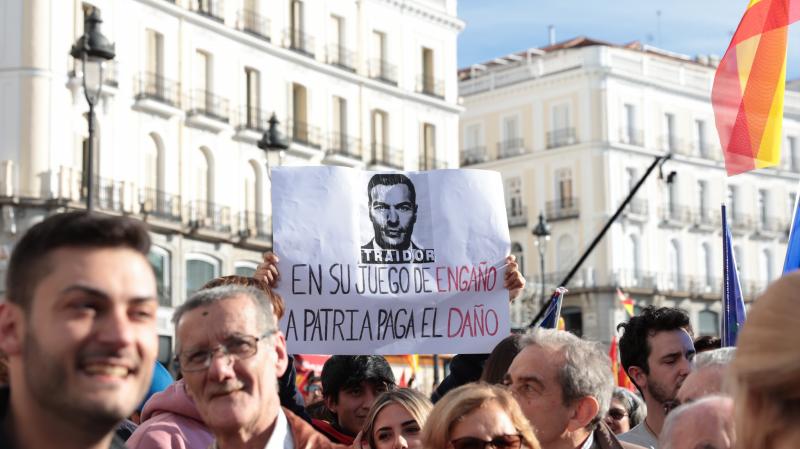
[{"x": 691, "y": 27}]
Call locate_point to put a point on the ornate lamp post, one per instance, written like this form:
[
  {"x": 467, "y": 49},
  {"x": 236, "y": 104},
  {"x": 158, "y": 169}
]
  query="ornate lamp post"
[
  {"x": 542, "y": 234},
  {"x": 92, "y": 50},
  {"x": 272, "y": 140}
]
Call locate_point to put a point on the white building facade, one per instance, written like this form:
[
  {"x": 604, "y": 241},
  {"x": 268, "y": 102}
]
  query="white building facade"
[
  {"x": 360, "y": 83},
  {"x": 572, "y": 127}
]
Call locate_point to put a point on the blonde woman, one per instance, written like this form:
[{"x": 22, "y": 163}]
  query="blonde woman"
[
  {"x": 478, "y": 416},
  {"x": 396, "y": 419},
  {"x": 766, "y": 370}
]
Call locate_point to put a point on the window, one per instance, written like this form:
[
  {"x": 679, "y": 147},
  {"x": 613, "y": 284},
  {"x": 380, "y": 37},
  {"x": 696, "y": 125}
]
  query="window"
[
  {"x": 154, "y": 54},
  {"x": 514, "y": 196},
  {"x": 672, "y": 199},
  {"x": 561, "y": 117},
  {"x": 379, "y": 135},
  {"x": 634, "y": 257},
  {"x": 708, "y": 322},
  {"x": 630, "y": 179},
  {"x": 669, "y": 131},
  {"x": 378, "y": 49},
  {"x": 732, "y": 200},
  {"x": 336, "y": 53},
  {"x": 675, "y": 268},
  {"x": 296, "y": 23},
  {"x": 250, "y": 197},
  {"x": 339, "y": 124},
  {"x": 700, "y": 127},
  {"x": 253, "y": 98},
  {"x": 202, "y": 176},
  {"x": 472, "y": 136},
  {"x": 202, "y": 71},
  {"x": 565, "y": 252},
  {"x": 763, "y": 206},
  {"x": 794, "y": 163},
  {"x": 246, "y": 269},
  {"x": 629, "y": 125},
  {"x": 564, "y": 199},
  {"x": 706, "y": 265},
  {"x": 516, "y": 250},
  {"x": 199, "y": 270},
  {"x": 511, "y": 141},
  {"x": 428, "y": 150},
  {"x": 573, "y": 320},
  {"x": 165, "y": 350},
  {"x": 766, "y": 265},
  {"x": 159, "y": 259},
  {"x": 702, "y": 198},
  {"x": 427, "y": 70},
  {"x": 300, "y": 112}
]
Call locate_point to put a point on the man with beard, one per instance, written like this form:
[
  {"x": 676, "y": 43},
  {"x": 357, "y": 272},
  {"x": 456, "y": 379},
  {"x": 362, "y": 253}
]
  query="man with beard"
[
  {"x": 393, "y": 212},
  {"x": 79, "y": 328},
  {"x": 657, "y": 353}
]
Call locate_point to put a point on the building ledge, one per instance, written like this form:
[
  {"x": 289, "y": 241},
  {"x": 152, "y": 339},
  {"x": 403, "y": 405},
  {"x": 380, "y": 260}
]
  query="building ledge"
[
  {"x": 343, "y": 159},
  {"x": 202, "y": 121},
  {"x": 155, "y": 107}
]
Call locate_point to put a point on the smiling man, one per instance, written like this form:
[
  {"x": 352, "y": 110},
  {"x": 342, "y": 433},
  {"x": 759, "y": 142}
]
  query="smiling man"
[
  {"x": 657, "y": 352},
  {"x": 79, "y": 328},
  {"x": 231, "y": 354}
]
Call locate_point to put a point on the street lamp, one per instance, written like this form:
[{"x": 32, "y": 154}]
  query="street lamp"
[
  {"x": 272, "y": 140},
  {"x": 92, "y": 50},
  {"x": 542, "y": 234}
]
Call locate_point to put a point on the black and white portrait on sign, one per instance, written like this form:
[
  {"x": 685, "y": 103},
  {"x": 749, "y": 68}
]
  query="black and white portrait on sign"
[{"x": 393, "y": 208}]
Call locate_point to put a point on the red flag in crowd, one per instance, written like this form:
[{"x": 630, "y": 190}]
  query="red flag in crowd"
[{"x": 620, "y": 378}]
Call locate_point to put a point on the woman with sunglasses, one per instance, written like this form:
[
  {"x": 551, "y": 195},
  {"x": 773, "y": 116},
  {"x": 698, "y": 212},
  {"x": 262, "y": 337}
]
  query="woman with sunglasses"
[
  {"x": 626, "y": 411},
  {"x": 395, "y": 420},
  {"x": 478, "y": 416}
]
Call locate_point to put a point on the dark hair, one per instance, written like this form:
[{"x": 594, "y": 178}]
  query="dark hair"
[
  {"x": 274, "y": 298},
  {"x": 80, "y": 229},
  {"x": 496, "y": 366},
  {"x": 707, "y": 343},
  {"x": 634, "y": 349},
  {"x": 343, "y": 372},
  {"x": 390, "y": 179}
]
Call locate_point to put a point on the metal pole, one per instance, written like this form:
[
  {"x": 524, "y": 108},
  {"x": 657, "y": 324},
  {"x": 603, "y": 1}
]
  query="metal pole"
[
  {"x": 436, "y": 369},
  {"x": 541, "y": 271},
  {"x": 565, "y": 281},
  {"x": 90, "y": 160}
]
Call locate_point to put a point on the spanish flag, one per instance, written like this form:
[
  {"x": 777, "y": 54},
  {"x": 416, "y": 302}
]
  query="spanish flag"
[
  {"x": 749, "y": 85},
  {"x": 620, "y": 378},
  {"x": 626, "y": 301}
]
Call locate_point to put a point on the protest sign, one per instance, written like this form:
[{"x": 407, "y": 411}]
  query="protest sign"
[{"x": 390, "y": 263}]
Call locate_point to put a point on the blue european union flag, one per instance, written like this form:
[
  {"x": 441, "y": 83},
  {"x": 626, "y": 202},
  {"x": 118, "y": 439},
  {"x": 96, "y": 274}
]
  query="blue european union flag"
[
  {"x": 553, "y": 312},
  {"x": 733, "y": 312},
  {"x": 792, "y": 261}
]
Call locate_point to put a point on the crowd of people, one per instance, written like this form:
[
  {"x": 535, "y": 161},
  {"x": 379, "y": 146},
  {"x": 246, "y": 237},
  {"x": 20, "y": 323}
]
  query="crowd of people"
[{"x": 78, "y": 333}]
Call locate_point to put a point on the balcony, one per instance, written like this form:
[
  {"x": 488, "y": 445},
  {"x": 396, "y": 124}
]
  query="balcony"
[
  {"x": 631, "y": 136},
  {"x": 254, "y": 225},
  {"x": 431, "y": 163},
  {"x": 431, "y": 86},
  {"x": 563, "y": 209},
  {"x": 675, "y": 215},
  {"x": 341, "y": 145},
  {"x": 636, "y": 209},
  {"x": 706, "y": 219},
  {"x": 382, "y": 71},
  {"x": 304, "y": 134},
  {"x": 299, "y": 42},
  {"x": 208, "y": 8},
  {"x": 254, "y": 24},
  {"x": 518, "y": 216},
  {"x": 342, "y": 57},
  {"x": 474, "y": 155},
  {"x": 163, "y": 205},
  {"x": 204, "y": 108},
  {"x": 156, "y": 94},
  {"x": 382, "y": 155},
  {"x": 741, "y": 223},
  {"x": 206, "y": 216},
  {"x": 561, "y": 138},
  {"x": 511, "y": 147},
  {"x": 769, "y": 227},
  {"x": 70, "y": 185}
]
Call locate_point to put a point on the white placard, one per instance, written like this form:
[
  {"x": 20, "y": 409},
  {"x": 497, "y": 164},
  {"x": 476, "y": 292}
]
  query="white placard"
[{"x": 390, "y": 263}]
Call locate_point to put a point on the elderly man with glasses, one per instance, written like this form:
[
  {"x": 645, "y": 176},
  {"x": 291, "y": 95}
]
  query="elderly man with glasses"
[{"x": 231, "y": 354}]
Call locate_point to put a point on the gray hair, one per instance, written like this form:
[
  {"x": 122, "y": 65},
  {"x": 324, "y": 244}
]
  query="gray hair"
[
  {"x": 586, "y": 370},
  {"x": 264, "y": 316},
  {"x": 715, "y": 358},
  {"x": 634, "y": 405},
  {"x": 722, "y": 406}
]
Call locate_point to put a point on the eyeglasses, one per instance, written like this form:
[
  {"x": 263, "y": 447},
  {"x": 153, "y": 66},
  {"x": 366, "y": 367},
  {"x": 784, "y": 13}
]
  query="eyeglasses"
[
  {"x": 498, "y": 442},
  {"x": 617, "y": 414},
  {"x": 239, "y": 347}
]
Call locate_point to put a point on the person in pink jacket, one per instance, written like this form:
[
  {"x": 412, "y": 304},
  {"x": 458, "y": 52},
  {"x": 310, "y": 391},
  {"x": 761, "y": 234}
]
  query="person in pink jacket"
[{"x": 170, "y": 420}]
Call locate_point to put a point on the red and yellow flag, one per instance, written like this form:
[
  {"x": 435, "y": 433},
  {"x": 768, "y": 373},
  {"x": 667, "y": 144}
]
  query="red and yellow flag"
[
  {"x": 626, "y": 301},
  {"x": 749, "y": 84},
  {"x": 620, "y": 378}
]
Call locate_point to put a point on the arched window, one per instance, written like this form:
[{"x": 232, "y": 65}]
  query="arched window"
[
  {"x": 151, "y": 166},
  {"x": 200, "y": 269},
  {"x": 203, "y": 176},
  {"x": 159, "y": 259},
  {"x": 708, "y": 322},
  {"x": 245, "y": 268},
  {"x": 706, "y": 265},
  {"x": 516, "y": 250},
  {"x": 565, "y": 252}
]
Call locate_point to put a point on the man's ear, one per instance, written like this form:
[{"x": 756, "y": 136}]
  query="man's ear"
[
  {"x": 584, "y": 411},
  {"x": 282, "y": 361},
  {"x": 12, "y": 328},
  {"x": 638, "y": 376},
  {"x": 330, "y": 403}
]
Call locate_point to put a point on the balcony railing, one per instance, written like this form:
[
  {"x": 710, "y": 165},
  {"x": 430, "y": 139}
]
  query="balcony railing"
[
  {"x": 511, "y": 147},
  {"x": 740, "y": 222},
  {"x": 383, "y": 71},
  {"x": 429, "y": 85},
  {"x": 208, "y": 216},
  {"x": 675, "y": 214},
  {"x": 344, "y": 145},
  {"x": 304, "y": 134},
  {"x": 208, "y": 104},
  {"x": 341, "y": 57},
  {"x": 382, "y": 154},
  {"x": 518, "y": 216},
  {"x": 254, "y": 23},
  {"x": 155, "y": 87},
  {"x": 631, "y": 136},
  {"x": 209, "y": 8},
  {"x": 637, "y": 207},
  {"x": 706, "y": 218},
  {"x": 474, "y": 155},
  {"x": 299, "y": 41},
  {"x": 252, "y": 118},
  {"x": 561, "y": 138},
  {"x": 770, "y": 225},
  {"x": 563, "y": 209},
  {"x": 160, "y": 204},
  {"x": 254, "y": 224},
  {"x": 431, "y": 163}
]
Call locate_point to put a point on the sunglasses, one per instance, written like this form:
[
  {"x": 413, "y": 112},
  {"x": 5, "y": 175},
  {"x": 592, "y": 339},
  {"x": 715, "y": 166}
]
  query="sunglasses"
[
  {"x": 617, "y": 414},
  {"x": 498, "y": 442}
]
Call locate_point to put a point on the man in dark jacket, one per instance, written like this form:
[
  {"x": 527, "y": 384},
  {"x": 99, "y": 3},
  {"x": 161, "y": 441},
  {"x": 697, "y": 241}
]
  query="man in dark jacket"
[{"x": 79, "y": 329}]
